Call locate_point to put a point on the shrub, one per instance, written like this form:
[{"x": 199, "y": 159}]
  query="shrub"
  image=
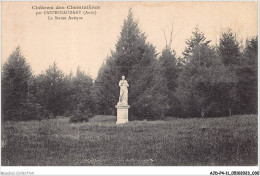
[
  {"x": 27, "y": 110},
  {"x": 67, "y": 113},
  {"x": 30, "y": 111},
  {"x": 78, "y": 116},
  {"x": 47, "y": 114}
]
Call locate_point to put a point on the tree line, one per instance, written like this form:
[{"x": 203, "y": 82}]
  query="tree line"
[{"x": 207, "y": 81}]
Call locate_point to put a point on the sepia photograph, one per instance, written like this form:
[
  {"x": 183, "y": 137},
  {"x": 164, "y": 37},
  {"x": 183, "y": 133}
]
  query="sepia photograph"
[{"x": 110, "y": 83}]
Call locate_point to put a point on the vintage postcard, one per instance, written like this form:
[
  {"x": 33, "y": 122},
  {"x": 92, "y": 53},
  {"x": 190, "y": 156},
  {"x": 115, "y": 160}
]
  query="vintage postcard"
[{"x": 113, "y": 83}]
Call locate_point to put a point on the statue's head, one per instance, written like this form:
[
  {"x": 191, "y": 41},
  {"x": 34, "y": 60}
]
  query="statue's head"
[{"x": 123, "y": 77}]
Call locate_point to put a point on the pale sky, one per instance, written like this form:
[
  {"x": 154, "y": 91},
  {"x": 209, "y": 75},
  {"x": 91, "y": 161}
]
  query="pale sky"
[{"x": 87, "y": 42}]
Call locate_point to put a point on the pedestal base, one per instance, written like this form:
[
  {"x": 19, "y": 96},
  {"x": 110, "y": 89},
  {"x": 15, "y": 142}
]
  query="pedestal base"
[{"x": 122, "y": 114}]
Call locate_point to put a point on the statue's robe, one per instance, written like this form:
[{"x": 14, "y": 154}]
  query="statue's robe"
[{"x": 123, "y": 98}]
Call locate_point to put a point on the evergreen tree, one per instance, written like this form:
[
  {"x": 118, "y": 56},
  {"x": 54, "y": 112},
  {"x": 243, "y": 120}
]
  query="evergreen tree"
[
  {"x": 105, "y": 90},
  {"x": 168, "y": 72},
  {"x": 245, "y": 66},
  {"x": 203, "y": 82},
  {"x": 83, "y": 85},
  {"x": 69, "y": 94},
  {"x": 247, "y": 75},
  {"x": 130, "y": 46},
  {"x": 132, "y": 58},
  {"x": 198, "y": 38},
  {"x": 250, "y": 54},
  {"x": 229, "y": 48},
  {"x": 16, "y": 78},
  {"x": 52, "y": 90}
]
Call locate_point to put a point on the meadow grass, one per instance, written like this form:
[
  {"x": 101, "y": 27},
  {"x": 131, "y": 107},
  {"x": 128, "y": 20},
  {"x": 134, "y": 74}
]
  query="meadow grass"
[{"x": 100, "y": 142}]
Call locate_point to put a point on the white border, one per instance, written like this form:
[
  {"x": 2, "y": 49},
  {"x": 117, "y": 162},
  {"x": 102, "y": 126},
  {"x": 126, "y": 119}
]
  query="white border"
[{"x": 127, "y": 170}]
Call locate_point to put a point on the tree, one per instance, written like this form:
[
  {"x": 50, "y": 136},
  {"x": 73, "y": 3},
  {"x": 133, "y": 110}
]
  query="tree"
[
  {"x": 229, "y": 52},
  {"x": 130, "y": 46},
  {"x": 69, "y": 94},
  {"x": 244, "y": 64},
  {"x": 167, "y": 68},
  {"x": 250, "y": 53},
  {"x": 229, "y": 48},
  {"x": 132, "y": 58},
  {"x": 106, "y": 91},
  {"x": 16, "y": 78},
  {"x": 203, "y": 80},
  {"x": 198, "y": 38},
  {"x": 247, "y": 78},
  {"x": 52, "y": 90},
  {"x": 82, "y": 88},
  {"x": 167, "y": 79}
]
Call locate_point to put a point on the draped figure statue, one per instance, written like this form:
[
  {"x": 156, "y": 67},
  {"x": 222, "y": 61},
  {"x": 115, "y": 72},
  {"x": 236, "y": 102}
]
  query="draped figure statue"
[{"x": 123, "y": 98}]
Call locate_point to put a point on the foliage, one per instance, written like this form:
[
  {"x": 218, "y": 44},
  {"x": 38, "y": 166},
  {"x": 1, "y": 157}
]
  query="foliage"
[
  {"x": 205, "y": 82},
  {"x": 60, "y": 94},
  {"x": 250, "y": 53},
  {"x": 132, "y": 58},
  {"x": 106, "y": 91},
  {"x": 228, "y": 48},
  {"x": 78, "y": 116},
  {"x": 52, "y": 90},
  {"x": 247, "y": 74},
  {"x": 196, "y": 39},
  {"x": 82, "y": 88},
  {"x": 244, "y": 64},
  {"x": 169, "y": 70},
  {"x": 17, "y": 101}
]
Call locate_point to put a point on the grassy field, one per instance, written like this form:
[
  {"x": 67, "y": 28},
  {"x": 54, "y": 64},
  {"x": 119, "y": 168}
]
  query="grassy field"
[{"x": 174, "y": 142}]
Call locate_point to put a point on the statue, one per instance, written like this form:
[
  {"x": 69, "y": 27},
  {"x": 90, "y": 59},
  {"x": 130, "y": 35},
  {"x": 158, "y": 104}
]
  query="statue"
[
  {"x": 122, "y": 105},
  {"x": 123, "y": 98}
]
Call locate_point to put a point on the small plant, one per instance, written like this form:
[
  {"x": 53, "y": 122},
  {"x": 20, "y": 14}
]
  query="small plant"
[
  {"x": 67, "y": 113},
  {"x": 78, "y": 116}
]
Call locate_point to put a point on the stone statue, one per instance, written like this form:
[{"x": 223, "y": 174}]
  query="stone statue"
[
  {"x": 123, "y": 98},
  {"x": 122, "y": 105}
]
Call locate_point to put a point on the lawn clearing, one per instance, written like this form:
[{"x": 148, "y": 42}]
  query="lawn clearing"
[{"x": 99, "y": 142}]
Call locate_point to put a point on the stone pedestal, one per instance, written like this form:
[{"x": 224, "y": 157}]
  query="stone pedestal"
[{"x": 122, "y": 114}]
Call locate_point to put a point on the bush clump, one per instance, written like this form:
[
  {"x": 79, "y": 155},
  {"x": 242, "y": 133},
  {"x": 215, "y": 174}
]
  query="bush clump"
[{"x": 79, "y": 116}]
